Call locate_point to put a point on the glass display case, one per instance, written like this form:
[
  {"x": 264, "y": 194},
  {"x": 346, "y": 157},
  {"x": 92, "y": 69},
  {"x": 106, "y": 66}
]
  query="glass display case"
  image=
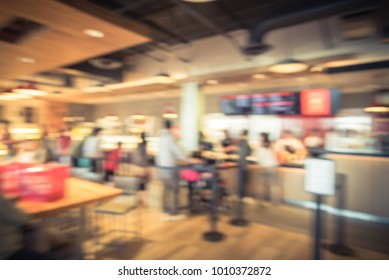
[{"x": 352, "y": 133}]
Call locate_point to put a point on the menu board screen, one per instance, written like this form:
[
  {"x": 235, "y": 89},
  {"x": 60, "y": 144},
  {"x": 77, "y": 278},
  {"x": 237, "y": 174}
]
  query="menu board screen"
[
  {"x": 319, "y": 102},
  {"x": 236, "y": 104},
  {"x": 276, "y": 103}
]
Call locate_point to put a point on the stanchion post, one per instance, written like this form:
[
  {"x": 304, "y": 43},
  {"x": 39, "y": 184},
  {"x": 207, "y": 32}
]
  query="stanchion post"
[
  {"x": 239, "y": 220},
  {"x": 213, "y": 235},
  {"x": 317, "y": 229},
  {"x": 320, "y": 181},
  {"x": 339, "y": 247}
]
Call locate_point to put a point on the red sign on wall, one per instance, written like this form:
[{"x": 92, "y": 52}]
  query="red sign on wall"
[{"x": 316, "y": 102}]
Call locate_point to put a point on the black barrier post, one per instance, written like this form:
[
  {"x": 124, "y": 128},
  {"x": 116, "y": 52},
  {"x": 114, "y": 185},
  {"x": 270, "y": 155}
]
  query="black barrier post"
[
  {"x": 339, "y": 246},
  {"x": 317, "y": 229},
  {"x": 239, "y": 220},
  {"x": 319, "y": 179},
  {"x": 213, "y": 235}
]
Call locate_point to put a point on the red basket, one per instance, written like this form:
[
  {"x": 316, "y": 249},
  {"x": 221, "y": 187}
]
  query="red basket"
[
  {"x": 10, "y": 178},
  {"x": 44, "y": 182}
]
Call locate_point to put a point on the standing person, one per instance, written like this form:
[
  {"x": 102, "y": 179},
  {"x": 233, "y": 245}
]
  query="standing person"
[
  {"x": 91, "y": 148},
  {"x": 267, "y": 160},
  {"x": 111, "y": 162},
  {"x": 142, "y": 160},
  {"x": 7, "y": 140},
  {"x": 168, "y": 155},
  {"x": 243, "y": 150},
  {"x": 45, "y": 145},
  {"x": 227, "y": 142},
  {"x": 63, "y": 146}
]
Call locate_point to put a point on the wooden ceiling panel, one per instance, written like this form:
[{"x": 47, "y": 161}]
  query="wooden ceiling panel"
[{"x": 62, "y": 42}]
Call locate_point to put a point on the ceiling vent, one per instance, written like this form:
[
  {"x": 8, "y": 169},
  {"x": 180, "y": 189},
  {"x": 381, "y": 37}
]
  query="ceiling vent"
[
  {"x": 106, "y": 63},
  {"x": 18, "y": 29},
  {"x": 357, "y": 26}
]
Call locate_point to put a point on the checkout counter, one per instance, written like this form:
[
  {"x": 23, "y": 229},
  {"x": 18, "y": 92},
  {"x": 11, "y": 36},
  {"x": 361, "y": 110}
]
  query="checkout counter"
[{"x": 361, "y": 182}]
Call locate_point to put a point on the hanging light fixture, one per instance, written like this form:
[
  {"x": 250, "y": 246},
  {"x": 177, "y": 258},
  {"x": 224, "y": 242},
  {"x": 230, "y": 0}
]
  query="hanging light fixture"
[
  {"x": 30, "y": 89},
  {"x": 163, "y": 78},
  {"x": 380, "y": 102},
  {"x": 288, "y": 66}
]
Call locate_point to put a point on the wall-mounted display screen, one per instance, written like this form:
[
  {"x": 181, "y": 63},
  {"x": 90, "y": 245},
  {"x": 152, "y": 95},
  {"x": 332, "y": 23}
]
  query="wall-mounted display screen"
[
  {"x": 236, "y": 104},
  {"x": 319, "y": 102},
  {"x": 276, "y": 103},
  {"x": 310, "y": 102}
]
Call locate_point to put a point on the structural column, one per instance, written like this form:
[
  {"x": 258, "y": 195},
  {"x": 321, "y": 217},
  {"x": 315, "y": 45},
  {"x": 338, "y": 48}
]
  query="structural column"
[{"x": 191, "y": 112}]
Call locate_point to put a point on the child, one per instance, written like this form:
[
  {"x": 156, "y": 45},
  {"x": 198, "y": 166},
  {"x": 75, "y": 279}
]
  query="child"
[{"x": 111, "y": 162}]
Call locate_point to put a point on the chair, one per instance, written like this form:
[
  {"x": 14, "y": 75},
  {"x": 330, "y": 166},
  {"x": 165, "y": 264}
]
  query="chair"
[{"x": 118, "y": 208}]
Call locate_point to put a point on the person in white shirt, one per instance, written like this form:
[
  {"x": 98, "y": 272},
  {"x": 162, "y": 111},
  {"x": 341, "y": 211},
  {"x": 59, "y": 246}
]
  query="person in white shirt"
[
  {"x": 166, "y": 160},
  {"x": 267, "y": 161},
  {"x": 91, "y": 148}
]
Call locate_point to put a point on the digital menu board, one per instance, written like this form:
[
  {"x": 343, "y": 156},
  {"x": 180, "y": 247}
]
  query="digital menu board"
[
  {"x": 309, "y": 102},
  {"x": 319, "y": 102},
  {"x": 236, "y": 104},
  {"x": 276, "y": 103}
]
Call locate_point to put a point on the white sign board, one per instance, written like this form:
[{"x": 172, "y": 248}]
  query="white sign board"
[{"x": 319, "y": 176}]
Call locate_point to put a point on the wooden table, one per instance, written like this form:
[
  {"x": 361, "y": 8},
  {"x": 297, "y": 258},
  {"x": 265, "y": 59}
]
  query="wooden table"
[{"x": 78, "y": 195}]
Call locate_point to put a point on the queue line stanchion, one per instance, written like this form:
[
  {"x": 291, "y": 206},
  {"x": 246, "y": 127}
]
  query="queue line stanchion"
[
  {"x": 339, "y": 247},
  {"x": 213, "y": 235},
  {"x": 319, "y": 180},
  {"x": 240, "y": 220}
]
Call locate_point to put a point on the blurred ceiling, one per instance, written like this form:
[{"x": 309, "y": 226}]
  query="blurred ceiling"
[
  {"x": 148, "y": 34},
  {"x": 59, "y": 38}
]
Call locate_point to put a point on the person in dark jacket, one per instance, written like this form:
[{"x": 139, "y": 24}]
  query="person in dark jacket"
[{"x": 142, "y": 160}]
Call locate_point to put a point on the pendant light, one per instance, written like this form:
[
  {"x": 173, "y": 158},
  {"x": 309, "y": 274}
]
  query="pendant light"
[
  {"x": 163, "y": 78},
  {"x": 380, "y": 102},
  {"x": 288, "y": 66}
]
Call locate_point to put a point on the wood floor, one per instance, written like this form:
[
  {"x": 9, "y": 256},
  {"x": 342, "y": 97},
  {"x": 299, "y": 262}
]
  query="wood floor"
[{"x": 182, "y": 240}]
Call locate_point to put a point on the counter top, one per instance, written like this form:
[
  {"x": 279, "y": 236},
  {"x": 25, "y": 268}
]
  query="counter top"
[{"x": 358, "y": 154}]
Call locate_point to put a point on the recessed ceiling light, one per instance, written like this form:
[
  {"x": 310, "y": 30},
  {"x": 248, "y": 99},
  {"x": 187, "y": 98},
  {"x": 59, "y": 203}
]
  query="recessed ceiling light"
[
  {"x": 94, "y": 33},
  {"x": 170, "y": 116},
  {"x": 30, "y": 89},
  {"x": 179, "y": 76},
  {"x": 260, "y": 76},
  {"x": 26, "y": 60},
  {"x": 212, "y": 82},
  {"x": 163, "y": 78}
]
